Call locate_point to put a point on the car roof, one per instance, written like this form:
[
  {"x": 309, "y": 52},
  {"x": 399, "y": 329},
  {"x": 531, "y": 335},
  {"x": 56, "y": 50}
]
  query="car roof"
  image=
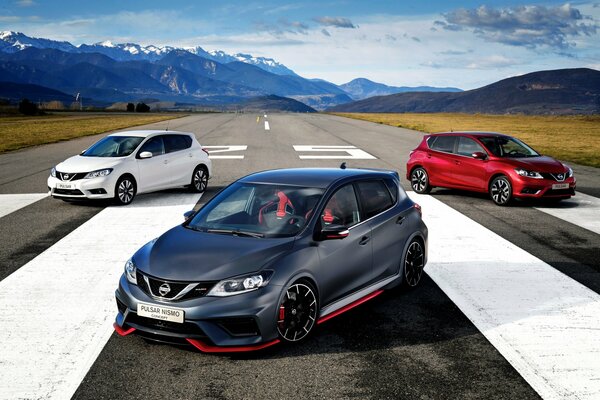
[
  {"x": 148, "y": 133},
  {"x": 469, "y": 133},
  {"x": 313, "y": 177}
]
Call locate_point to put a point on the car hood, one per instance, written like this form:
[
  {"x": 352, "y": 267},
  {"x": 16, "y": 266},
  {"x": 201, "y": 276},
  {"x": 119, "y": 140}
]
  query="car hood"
[
  {"x": 87, "y": 164},
  {"x": 539, "y": 164},
  {"x": 182, "y": 254}
]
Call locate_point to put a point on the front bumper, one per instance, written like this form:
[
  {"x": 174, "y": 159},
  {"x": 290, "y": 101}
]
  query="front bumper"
[
  {"x": 542, "y": 188},
  {"x": 95, "y": 188},
  {"x": 208, "y": 321}
]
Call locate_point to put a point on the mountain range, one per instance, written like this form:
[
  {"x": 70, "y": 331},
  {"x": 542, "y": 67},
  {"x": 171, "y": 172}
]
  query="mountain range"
[
  {"x": 106, "y": 72},
  {"x": 563, "y": 91}
]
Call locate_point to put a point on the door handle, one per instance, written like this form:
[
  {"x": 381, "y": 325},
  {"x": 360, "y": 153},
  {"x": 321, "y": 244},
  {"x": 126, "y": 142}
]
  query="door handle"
[
  {"x": 190, "y": 155},
  {"x": 364, "y": 240},
  {"x": 456, "y": 162},
  {"x": 165, "y": 161},
  {"x": 400, "y": 220},
  {"x": 428, "y": 155}
]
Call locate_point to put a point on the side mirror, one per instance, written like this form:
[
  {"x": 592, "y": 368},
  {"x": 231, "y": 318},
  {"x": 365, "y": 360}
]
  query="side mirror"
[
  {"x": 145, "y": 154},
  {"x": 330, "y": 232},
  {"x": 188, "y": 214},
  {"x": 478, "y": 155}
]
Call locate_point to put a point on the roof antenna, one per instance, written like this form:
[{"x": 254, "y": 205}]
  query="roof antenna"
[{"x": 343, "y": 165}]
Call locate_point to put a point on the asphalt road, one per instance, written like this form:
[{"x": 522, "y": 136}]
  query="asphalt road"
[{"x": 413, "y": 344}]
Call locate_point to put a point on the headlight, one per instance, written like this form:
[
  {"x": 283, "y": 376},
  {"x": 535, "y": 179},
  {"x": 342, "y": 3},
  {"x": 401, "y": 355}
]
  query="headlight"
[
  {"x": 569, "y": 172},
  {"x": 130, "y": 271},
  {"x": 529, "y": 174},
  {"x": 241, "y": 284},
  {"x": 53, "y": 172},
  {"x": 98, "y": 174}
]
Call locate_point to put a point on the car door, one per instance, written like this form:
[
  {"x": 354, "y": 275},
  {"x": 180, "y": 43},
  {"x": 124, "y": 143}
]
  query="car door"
[
  {"x": 179, "y": 153},
  {"x": 345, "y": 263},
  {"x": 388, "y": 235},
  {"x": 440, "y": 161},
  {"x": 153, "y": 171},
  {"x": 469, "y": 172}
]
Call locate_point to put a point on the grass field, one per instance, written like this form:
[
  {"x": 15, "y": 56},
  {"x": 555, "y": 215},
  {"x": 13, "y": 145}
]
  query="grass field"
[
  {"x": 568, "y": 138},
  {"x": 20, "y": 132}
]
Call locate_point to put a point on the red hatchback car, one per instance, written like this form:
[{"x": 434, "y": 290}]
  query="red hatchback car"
[{"x": 498, "y": 164}]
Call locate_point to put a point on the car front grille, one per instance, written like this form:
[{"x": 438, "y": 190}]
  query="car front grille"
[
  {"x": 70, "y": 176},
  {"x": 186, "y": 328},
  {"x": 560, "y": 192},
  {"x": 68, "y": 192},
  {"x": 558, "y": 177},
  {"x": 151, "y": 286}
]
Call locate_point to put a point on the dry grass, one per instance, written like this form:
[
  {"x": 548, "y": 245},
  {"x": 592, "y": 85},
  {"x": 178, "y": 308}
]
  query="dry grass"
[
  {"x": 569, "y": 138},
  {"x": 20, "y": 132}
]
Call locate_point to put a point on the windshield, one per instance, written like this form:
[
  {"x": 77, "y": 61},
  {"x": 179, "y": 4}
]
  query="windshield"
[
  {"x": 258, "y": 210},
  {"x": 113, "y": 146},
  {"x": 504, "y": 146}
]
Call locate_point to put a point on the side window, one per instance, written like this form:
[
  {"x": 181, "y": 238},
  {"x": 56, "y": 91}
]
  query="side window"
[
  {"x": 177, "y": 142},
  {"x": 444, "y": 143},
  {"x": 154, "y": 146},
  {"x": 467, "y": 146},
  {"x": 342, "y": 208},
  {"x": 374, "y": 197},
  {"x": 393, "y": 188}
]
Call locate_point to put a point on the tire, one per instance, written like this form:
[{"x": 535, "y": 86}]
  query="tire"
[
  {"x": 199, "y": 179},
  {"x": 125, "y": 190},
  {"x": 419, "y": 181},
  {"x": 297, "y": 313},
  {"x": 501, "y": 190},
  {"x": 413, "y": 264}
]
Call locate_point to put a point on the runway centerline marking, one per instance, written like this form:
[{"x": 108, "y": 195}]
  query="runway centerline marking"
[
  {"x": 10, "y": 203},
  {"x": 225, "y": 149},
  {"x": 352, "y": 152},
  {"x": 56, "y": 312},
  {"x": 543, "y": 322},
  {"x": 582, "y": 210},
  {"x": 267, "y": 126}
]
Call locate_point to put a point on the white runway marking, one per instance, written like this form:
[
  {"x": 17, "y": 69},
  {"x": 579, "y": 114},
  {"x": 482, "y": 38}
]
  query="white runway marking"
[
  {"x": 225, "y": 149},
  {"x": 351, "y": 152},
  {"x": 582, "y": 210},
  {"x": 267, "y": 127},
  {"x": 56, "y": 312},
  {"x": 10, "y": 203},
  {"x": 544, "y": 323}
]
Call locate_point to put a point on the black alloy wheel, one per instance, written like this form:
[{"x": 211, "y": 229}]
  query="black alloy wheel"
[
  {"x": 125, "y": 190},
  {"x": 414, "y": 262},
  {"x": 297, "y": 312},
  {"x": 199, "y": 179},
  {"x": 501, "y": 190},
  {"x": 419, "y": 181}
]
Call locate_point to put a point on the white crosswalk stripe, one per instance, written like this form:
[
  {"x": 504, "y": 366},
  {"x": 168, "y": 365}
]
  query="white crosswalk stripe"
[
  {"x": 10, "y": 203},
  {"x": 56, "y": 312},
  {"x": 582, "y": 210}
]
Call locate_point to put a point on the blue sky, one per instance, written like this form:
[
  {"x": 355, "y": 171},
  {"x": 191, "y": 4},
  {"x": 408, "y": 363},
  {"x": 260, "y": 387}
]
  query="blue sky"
[{"x": 441, "y": 43}]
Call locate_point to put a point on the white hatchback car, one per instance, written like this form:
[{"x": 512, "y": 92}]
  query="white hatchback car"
[{"x": 124, "y": 164}]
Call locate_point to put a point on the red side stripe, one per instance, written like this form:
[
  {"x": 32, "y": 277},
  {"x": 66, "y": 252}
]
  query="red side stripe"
[
  {"x": 121, "y": 331},
  {"x": 350, "y": 306}
]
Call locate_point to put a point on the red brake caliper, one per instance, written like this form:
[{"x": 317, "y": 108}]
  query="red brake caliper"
[{"x": 281, "y": 316}]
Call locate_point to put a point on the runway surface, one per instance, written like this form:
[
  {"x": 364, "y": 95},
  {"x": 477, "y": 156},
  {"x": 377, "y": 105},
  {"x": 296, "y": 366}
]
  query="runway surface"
[{"x": 505, "y": 285}]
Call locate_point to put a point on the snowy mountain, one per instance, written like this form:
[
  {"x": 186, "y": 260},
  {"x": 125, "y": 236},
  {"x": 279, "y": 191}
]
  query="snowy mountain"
[{"x": 11, "y": 42}]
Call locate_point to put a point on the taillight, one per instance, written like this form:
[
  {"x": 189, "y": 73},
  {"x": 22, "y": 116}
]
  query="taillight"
[
  {"x": 206, "y": 151},
  {"x": 418, "y": 208}
]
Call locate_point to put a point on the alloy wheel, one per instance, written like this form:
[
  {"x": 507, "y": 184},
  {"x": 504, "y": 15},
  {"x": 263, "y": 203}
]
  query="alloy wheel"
[
  {"x": 419, "y": 181},
  {"x": 200, "y": 180},
  {"x": 500, "y": 191},
  {"x": 414, "y": 262},
  {"x": 297, "y": 312},
  {"x": 125, "y": 191}
]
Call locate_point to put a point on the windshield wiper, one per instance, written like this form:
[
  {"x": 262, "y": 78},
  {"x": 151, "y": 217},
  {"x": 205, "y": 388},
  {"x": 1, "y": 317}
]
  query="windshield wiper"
[{"x": 236, "y": 232}]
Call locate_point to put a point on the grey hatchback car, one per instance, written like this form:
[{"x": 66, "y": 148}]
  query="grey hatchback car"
[{"x": 271, "y": 256}]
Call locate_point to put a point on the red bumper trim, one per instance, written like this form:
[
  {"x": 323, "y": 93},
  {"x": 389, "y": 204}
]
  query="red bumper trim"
[
  {"x": 205, "y": 348},
  {"x": 350, "y": 306},
  {"x": 121, "y": 331}
]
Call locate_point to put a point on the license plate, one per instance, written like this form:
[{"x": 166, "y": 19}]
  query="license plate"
[
  {"x": 61, "y": 185},
  {"x": 160, "y": 312},
  {"x": 560, "y": 186}
]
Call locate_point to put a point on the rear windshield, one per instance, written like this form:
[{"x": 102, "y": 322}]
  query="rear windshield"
[{"x": 113, "y": 146}]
